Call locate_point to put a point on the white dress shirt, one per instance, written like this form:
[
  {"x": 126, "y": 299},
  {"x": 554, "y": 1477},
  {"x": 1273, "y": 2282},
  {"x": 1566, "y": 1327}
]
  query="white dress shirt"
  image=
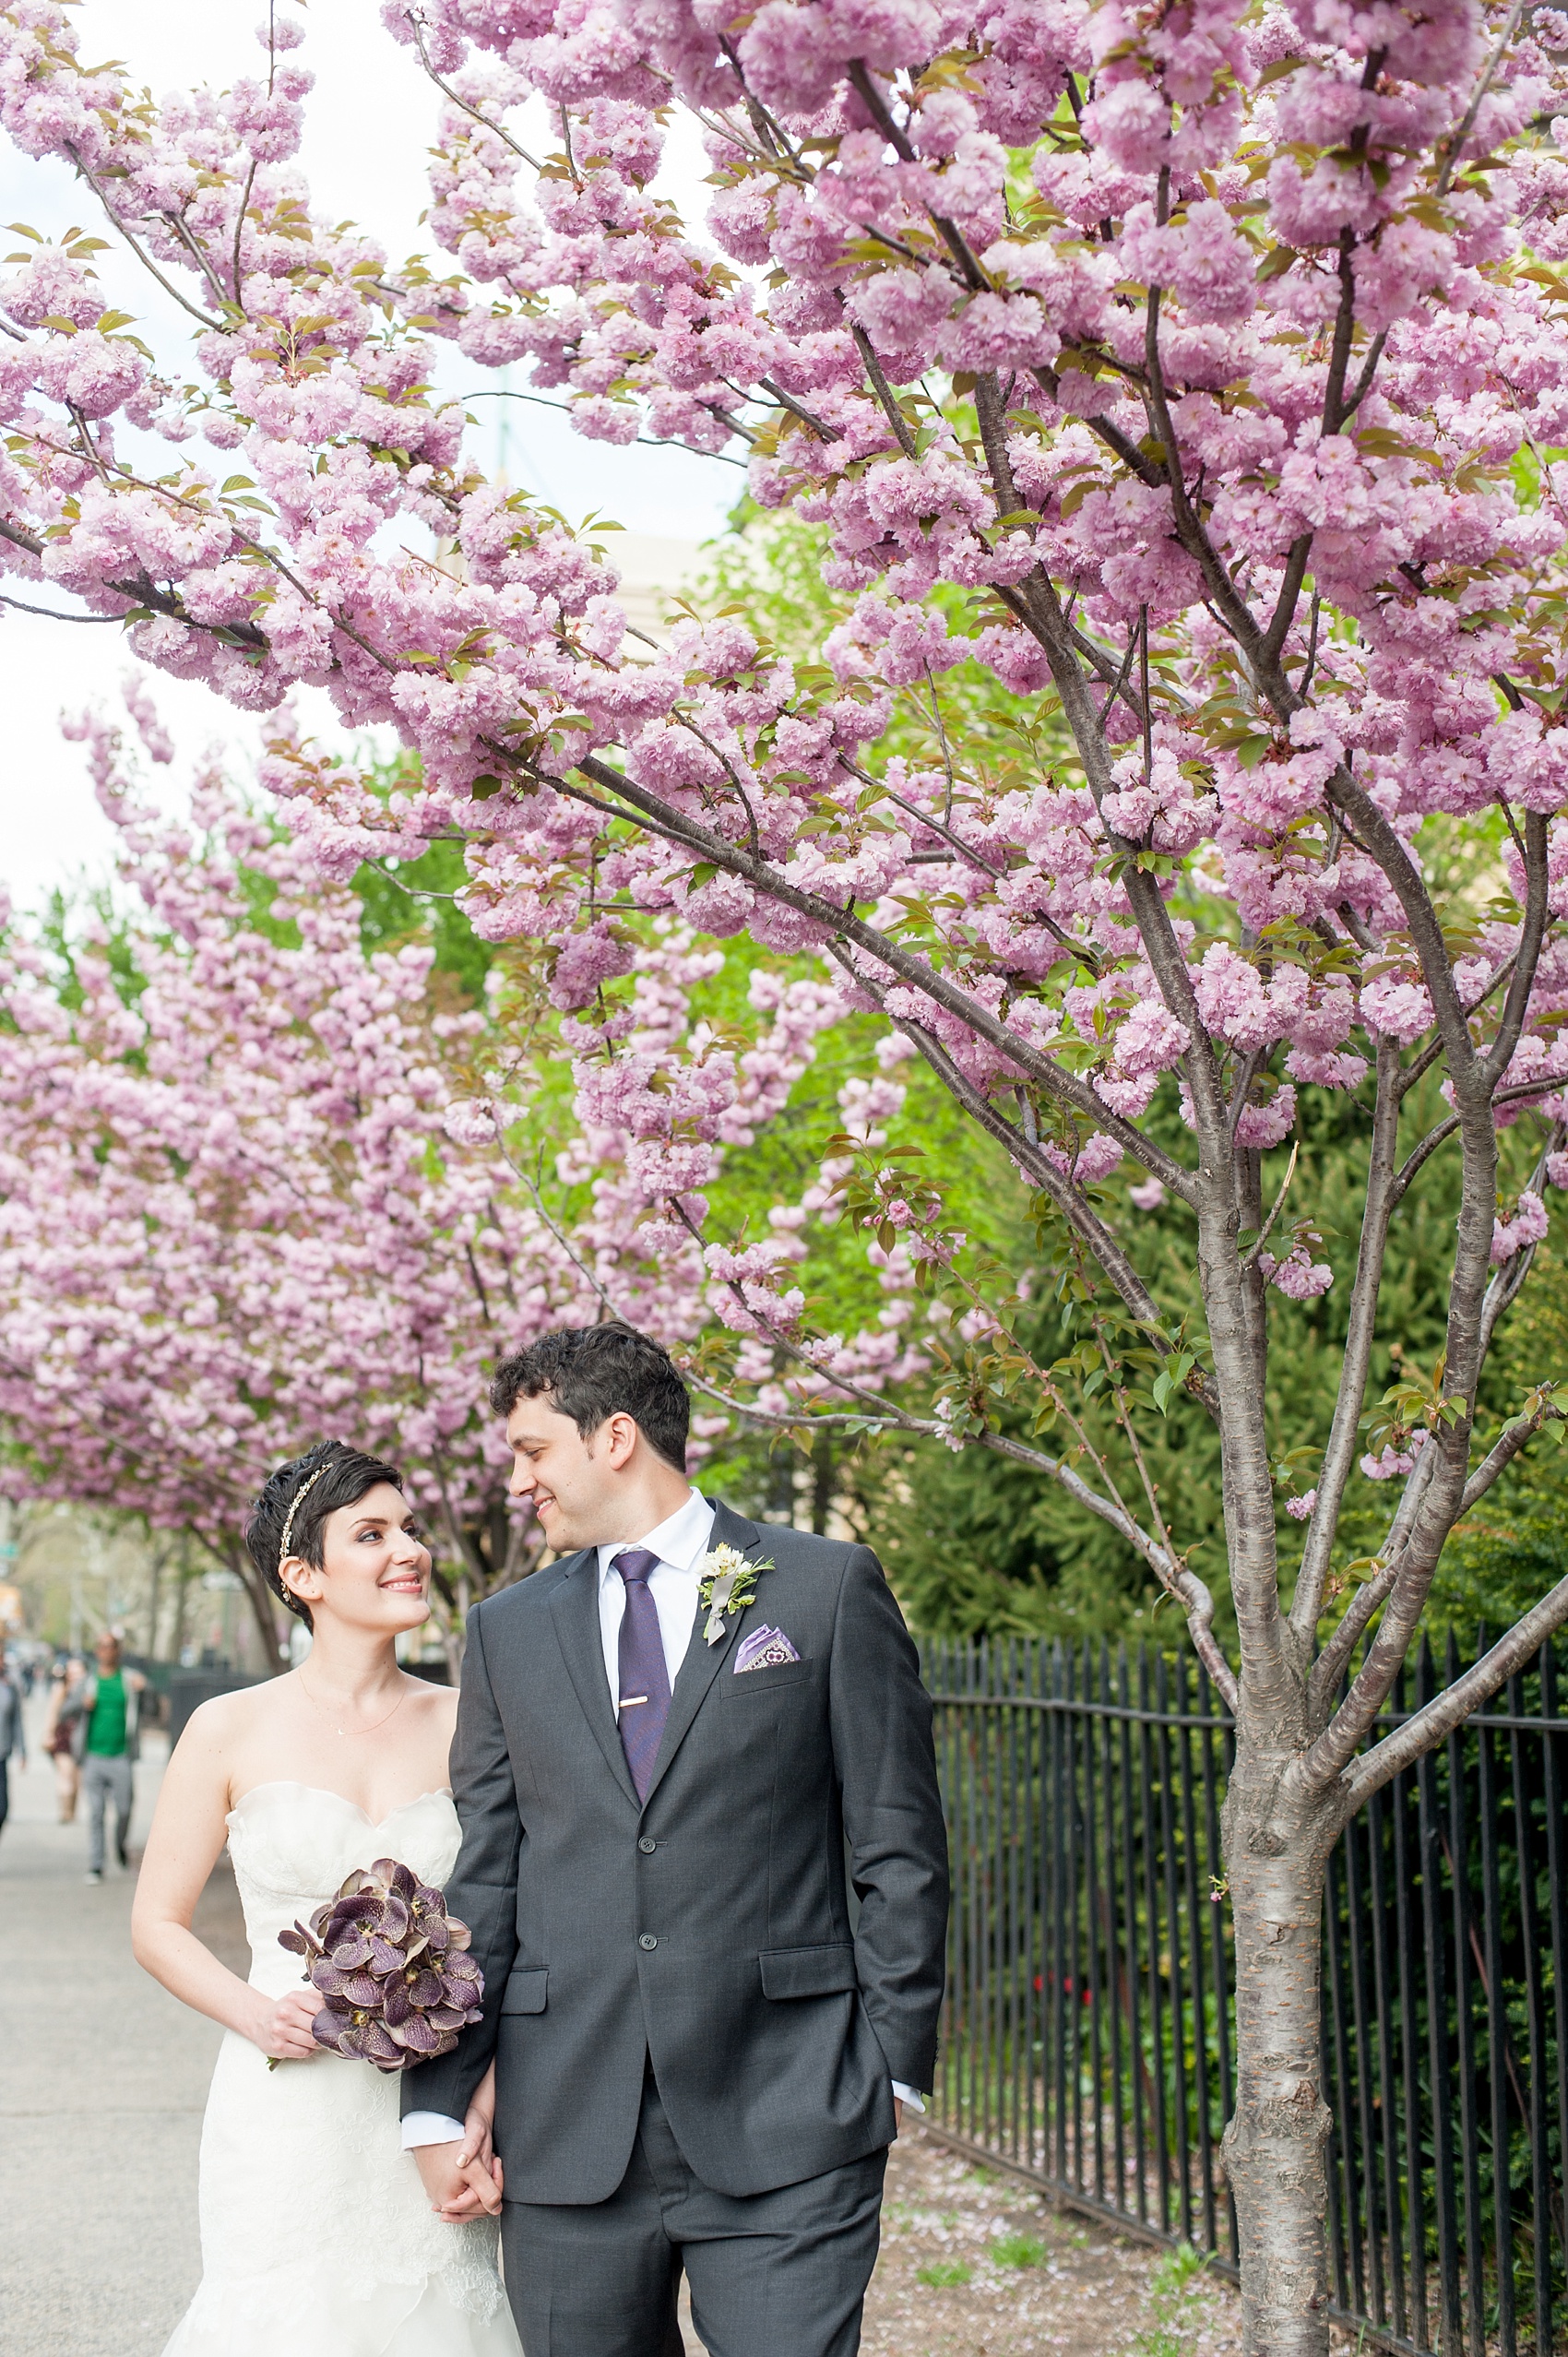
[{"x": 680, "y": 1541}]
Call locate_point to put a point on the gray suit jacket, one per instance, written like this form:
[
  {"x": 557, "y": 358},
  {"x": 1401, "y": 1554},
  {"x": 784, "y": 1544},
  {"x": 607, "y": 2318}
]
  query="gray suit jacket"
[{"x": 710, "y": 1928}]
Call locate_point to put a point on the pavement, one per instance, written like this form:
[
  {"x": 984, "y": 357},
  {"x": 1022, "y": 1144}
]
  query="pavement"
[{"x": 103, "y": 2079}]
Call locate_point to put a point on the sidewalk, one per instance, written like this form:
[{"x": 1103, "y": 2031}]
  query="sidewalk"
[{"x": 102, "y": 2082}]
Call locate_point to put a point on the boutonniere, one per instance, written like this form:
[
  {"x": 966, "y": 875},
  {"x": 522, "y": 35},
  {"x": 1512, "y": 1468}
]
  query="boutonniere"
[{"x": 726, "y": 1583}]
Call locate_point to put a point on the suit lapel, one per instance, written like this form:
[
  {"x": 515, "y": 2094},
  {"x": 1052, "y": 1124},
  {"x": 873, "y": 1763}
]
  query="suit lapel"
[
  {"x": 575, "y": 1609},
  {"x": 703, "y": 1662}
]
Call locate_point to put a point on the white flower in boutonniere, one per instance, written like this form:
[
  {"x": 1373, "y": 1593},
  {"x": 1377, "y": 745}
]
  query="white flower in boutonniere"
[{"x": 727, "y": 1583}]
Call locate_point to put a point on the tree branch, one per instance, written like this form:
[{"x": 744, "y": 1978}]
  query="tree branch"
[
  {"x": 1344, "y": 327},
  {"x": 645, "y": 441},
  {"x": 47, "y": 614},
  {"x": 1331, "y": 1663},
  {"x": 876, "y": 106},
  {"x": 1384, "y": 846},
  {"x": 1504, "y": 1450},
  {"x": 1447, "y": 1711},
  {"x": 678, "y": 827},
  {"x": 146, "y": 260},
  {"x": 882, "y": 389},
  {"x": 1290, "y": 593},
  {"x": 141, "y": 593},
  {"x": 1339, "y": 1455},
  {"x": 1527, "y": 956},
  {"x": 1448, "y": 1446},
  {"x": 1036, "y": 1167},
  {"x": 1249, "y": 1257},
  {"x": 1454, "y": 145},
  {"x": 416, "y": 25}
]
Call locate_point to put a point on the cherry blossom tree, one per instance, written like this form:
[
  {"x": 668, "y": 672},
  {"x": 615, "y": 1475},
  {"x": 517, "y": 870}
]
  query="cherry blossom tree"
[
  {"x": 233, "y": 1216},
  {"x": 1198, "y": 371}
]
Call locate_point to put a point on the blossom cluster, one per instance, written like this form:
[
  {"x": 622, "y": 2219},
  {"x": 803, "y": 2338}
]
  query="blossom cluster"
[{"x": 234, "y": 1220}]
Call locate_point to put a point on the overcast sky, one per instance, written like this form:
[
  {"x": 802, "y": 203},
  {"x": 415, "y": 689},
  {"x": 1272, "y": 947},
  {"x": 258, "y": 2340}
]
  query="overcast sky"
[{"x": 370, "y": 121}]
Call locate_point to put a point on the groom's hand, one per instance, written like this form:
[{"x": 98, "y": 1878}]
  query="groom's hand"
[{"x": 459, "y": 2183}]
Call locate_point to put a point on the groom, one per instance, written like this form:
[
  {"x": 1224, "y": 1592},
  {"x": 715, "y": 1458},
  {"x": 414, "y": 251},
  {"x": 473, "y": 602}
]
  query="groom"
[{"x": 705, "y": 1867}]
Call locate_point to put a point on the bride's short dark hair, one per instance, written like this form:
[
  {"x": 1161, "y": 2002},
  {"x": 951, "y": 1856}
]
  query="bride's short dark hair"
[{"x": 298, "y": 1498}]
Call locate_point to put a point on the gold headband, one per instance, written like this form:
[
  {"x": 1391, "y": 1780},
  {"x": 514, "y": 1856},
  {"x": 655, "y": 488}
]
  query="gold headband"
[{"x": 297, "y": 1501}]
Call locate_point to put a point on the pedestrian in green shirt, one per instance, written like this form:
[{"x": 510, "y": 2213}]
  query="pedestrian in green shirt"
[{"x": 107, "y": 1734}]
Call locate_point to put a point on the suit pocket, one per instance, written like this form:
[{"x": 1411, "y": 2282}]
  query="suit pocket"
[
  {"x": 808, "y": 1971},
  {"x": 738, "y": 1683},
  {"x": 525, "y": 1993}
]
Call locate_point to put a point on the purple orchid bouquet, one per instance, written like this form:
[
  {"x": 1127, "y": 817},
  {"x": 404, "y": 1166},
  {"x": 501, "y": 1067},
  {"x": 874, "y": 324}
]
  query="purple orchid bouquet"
[{"x": 391, "y": 1967}]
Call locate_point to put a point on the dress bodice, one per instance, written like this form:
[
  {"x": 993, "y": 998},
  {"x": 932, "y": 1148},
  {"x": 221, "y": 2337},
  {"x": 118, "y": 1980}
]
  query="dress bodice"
[{"x": 292, "y": 1845}]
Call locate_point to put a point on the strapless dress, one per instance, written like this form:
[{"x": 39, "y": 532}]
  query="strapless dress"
[{"x": 317, "y": 2238}]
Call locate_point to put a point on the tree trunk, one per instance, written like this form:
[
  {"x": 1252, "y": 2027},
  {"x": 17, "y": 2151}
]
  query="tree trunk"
[
  {"x": 159, "y": 1557},
  {"x": 273, "y": 1654},
  {"x": 182, "y": 1598},
  {"x": 823, "y": 1471},
  {"x": 1275, "y": 2144},
  {"x": 454, "y": 1631}
]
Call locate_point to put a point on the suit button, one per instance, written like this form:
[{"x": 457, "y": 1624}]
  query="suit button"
[
  {"x": 647, "y": 1939},
  {"x": 647, "y": 1844}
]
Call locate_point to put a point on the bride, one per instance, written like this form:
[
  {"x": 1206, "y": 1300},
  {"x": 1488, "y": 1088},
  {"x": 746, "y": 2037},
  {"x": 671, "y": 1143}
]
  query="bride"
[{"x": 316, "y": 2235}]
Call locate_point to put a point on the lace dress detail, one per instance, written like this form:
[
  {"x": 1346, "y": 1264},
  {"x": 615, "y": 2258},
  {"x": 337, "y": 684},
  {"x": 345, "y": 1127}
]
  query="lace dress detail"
[{"x": 318, "y": 2239}]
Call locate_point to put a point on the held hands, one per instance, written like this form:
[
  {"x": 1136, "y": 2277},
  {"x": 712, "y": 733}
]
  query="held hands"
[
  {"x": 281, "y": 2027},
  {"x": 465, "y": 2179}
]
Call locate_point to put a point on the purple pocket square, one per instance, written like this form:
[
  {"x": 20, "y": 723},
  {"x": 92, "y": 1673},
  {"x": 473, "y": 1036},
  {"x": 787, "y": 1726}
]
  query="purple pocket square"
[{"x": 764, "y": 1649}]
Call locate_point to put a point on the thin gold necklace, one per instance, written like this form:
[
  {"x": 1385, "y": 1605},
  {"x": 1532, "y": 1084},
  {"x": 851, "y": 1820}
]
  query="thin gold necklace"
[{"x": 354, "y": 1731}]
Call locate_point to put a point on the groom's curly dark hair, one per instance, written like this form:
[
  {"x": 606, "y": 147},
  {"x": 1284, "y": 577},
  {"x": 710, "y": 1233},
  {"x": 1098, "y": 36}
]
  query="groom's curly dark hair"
[{"x": 592, "y": 1372}]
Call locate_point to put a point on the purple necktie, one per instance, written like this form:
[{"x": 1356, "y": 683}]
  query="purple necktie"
[{"x": 645, "y": 1680}]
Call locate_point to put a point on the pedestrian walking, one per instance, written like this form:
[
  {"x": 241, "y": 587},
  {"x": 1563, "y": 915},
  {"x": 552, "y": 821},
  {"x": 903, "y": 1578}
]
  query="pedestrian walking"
[
  {"x": 67, "y": 1685},
  {"x": 106, "y": 1743},
  {"x": 13, "y": 1737}
]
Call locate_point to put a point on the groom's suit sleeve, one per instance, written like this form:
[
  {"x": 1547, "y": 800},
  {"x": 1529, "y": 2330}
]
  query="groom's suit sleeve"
[
  {"x": 482, "y": 1891},
  {"x": 893, "y": 1822}
]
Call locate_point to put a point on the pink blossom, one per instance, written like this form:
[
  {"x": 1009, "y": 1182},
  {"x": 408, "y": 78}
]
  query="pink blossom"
[
  {"x": 470, "y": 1122},
  {"x": 1390, "y": 1463},
  {"x": 1528, "y": 1226},
  {"x": 1401, "y": 1009},
  {"x": 1201, "y": 260},
  {"x": 1299, "y": 1276}
]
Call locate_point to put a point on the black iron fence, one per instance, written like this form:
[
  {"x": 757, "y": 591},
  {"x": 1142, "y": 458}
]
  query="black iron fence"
[{"x": 1088, "y": 2034}]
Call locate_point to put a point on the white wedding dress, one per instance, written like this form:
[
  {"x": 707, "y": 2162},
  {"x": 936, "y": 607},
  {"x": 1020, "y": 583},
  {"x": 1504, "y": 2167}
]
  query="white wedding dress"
[{"x": 318, "y": 2239}]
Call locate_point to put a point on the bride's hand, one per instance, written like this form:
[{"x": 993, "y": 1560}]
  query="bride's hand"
[
  {"x": 478, "y": 2140},
  {"x": 477, "y": 2163},
  {"x": 282, "y": 2028},
  {"x": 479, "y": 2123}
]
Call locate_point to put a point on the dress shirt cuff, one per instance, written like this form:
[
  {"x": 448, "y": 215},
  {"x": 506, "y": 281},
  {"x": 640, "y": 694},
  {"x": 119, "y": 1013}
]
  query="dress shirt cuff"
[
  {"x": 430, "y": 2127},
  {"x": 905, "y": 2095}
]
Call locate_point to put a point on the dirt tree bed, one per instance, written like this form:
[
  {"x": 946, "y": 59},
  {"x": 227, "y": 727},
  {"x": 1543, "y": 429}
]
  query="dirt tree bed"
[{"x": 974, "y": 2264}]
